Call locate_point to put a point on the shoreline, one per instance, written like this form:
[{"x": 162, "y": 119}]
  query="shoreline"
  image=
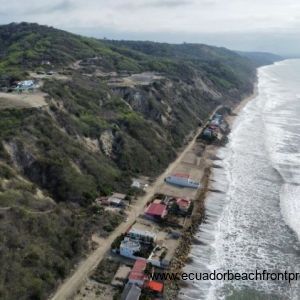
[
  {"x": 172, "y": 288},
  {"x": 77, "y": 279},
  {"x": 239, "y": 107}
]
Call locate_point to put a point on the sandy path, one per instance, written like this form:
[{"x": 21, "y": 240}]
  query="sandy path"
[
  {"x": 72, "y": 284},
  {"x": 23, "y": 100}
]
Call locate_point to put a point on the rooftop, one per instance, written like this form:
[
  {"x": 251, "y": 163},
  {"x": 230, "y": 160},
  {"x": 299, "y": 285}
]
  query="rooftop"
[
  {"x": 155, "y": 286},
  {"x": 156, "y": 209},
  {"x": 137, "y": 272},
  {"x": 184, "y": 203},
  {"x": 137, "y": 231},
  {"x": 131, "y": 292},
  {"x": 157, "y": 201},
  {"x": 128, "y": 243},
  {"x": 143, "y": 225},
  {"x": 118, "y": 196},
  {"x": 114, "y": 200}
]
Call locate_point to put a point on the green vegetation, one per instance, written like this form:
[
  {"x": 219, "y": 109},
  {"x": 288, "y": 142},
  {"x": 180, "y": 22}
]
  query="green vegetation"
[
  {"x": 146, "y": 250},
  {"x": 261, "y": 58},
  {"x": 40, "y": 247},
  {"x": 92, "y": 139},
  {"x": 188, "y": 59},
  {"x": 36, "y": 250},
  {"x": 117, "y": 242},
  {"x": 105, "y": 271}
]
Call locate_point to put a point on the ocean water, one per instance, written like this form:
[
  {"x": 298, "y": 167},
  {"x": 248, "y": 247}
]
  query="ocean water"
[{"x": 253, "y": 223}]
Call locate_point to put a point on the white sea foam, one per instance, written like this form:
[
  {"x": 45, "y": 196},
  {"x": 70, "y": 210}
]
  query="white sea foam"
[
  {"x": 246, "y": 227},
  {"x": 290, "y": 206},
  {"x": 281, "y": 121}
]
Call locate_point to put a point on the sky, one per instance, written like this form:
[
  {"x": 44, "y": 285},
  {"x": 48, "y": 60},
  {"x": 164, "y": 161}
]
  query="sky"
[{"x": 251, "y": 25}]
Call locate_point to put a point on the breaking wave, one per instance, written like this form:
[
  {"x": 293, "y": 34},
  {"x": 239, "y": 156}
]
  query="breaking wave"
[{"x": 254, "y": 224}]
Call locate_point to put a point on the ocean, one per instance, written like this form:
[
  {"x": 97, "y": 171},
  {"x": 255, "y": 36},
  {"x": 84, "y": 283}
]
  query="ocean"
[{"x": 253, "y": 222}]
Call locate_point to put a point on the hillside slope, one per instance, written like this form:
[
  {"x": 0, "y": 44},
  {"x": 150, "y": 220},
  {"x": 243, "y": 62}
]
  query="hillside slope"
[
  {"x": 115, "y": 110},
  {"x": 261, "y": 58}
]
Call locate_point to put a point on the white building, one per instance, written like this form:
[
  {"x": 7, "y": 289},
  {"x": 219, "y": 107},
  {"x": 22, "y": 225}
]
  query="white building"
[
  {"x": 129, "y": 247},
  {"x": 27, "y": 85},
  {"x": 141, "y": 235},
  {"x": 117, "y": 199},
  {"x": 182, "y": 180},
  {"x": 136, "y": 184},
  {"x": 115, "y": 202},
  {"x": 139, "y": 184}
]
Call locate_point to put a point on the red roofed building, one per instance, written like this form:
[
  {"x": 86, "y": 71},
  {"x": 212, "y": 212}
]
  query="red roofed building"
[
  {"x": 156, "y": 211},
  {"x": 183, "y": 204},
  {"x": 185, "y": 175},
  {"x": 155, "y": 286},
  {"x": 137, "y": 275}
]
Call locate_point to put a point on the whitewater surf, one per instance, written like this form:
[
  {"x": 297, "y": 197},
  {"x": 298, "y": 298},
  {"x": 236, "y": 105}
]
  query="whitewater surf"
[{"x": 254, "y": 224}]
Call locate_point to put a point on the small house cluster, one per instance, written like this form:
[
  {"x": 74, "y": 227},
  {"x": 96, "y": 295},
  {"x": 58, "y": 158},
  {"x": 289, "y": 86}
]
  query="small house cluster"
[
  {"x": 20, "y": 86},
  {"x": 156, "y": 211},
  {"x": 141, "y": 241},
  {"x": 138, "y": 280},
  {"x": 161, "y": 209},
  {"x": 212, "y": 131},
  {"x": 151, "y": 241}
]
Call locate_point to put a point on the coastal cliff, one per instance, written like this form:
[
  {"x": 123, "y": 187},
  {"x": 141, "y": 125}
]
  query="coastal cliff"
[{"x": 111, "y": 111}]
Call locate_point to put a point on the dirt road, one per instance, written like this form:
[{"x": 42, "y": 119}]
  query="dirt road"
[{"x": 72, "y": 284}]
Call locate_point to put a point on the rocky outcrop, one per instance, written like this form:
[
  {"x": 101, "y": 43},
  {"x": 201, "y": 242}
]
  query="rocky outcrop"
[
  {"x": 91, "y": 144},
  {"x": 106, "y": 141},
  {"x": 20, "y": 157}
]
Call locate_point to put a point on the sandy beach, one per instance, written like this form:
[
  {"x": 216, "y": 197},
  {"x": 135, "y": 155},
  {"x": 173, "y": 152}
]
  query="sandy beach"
[
  {"x": 236, "y": 110},
  {"x": 208, "y": 158}
]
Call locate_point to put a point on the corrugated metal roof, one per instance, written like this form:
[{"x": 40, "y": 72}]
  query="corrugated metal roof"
[
  {"x": 137, "y": 272},
  {"x": 156, "y": 209}
]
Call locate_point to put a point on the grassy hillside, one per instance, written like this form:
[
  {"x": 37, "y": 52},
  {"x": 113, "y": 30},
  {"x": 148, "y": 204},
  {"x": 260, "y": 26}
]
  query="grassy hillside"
[
  {"x": 25, "y": 46},
  {"x": 261, "y": 58},
  {"x": 99, "y": 129},
  {"x": 209, "y": 61}
]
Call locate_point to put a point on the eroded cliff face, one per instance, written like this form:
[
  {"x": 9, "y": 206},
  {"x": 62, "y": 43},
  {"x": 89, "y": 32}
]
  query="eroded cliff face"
[
  {"x": 169, "y": 102},
  {"x": 114, "y": 111},
  {"x": 134, "y": 129},
  {"x": 100, "y": 131}
]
